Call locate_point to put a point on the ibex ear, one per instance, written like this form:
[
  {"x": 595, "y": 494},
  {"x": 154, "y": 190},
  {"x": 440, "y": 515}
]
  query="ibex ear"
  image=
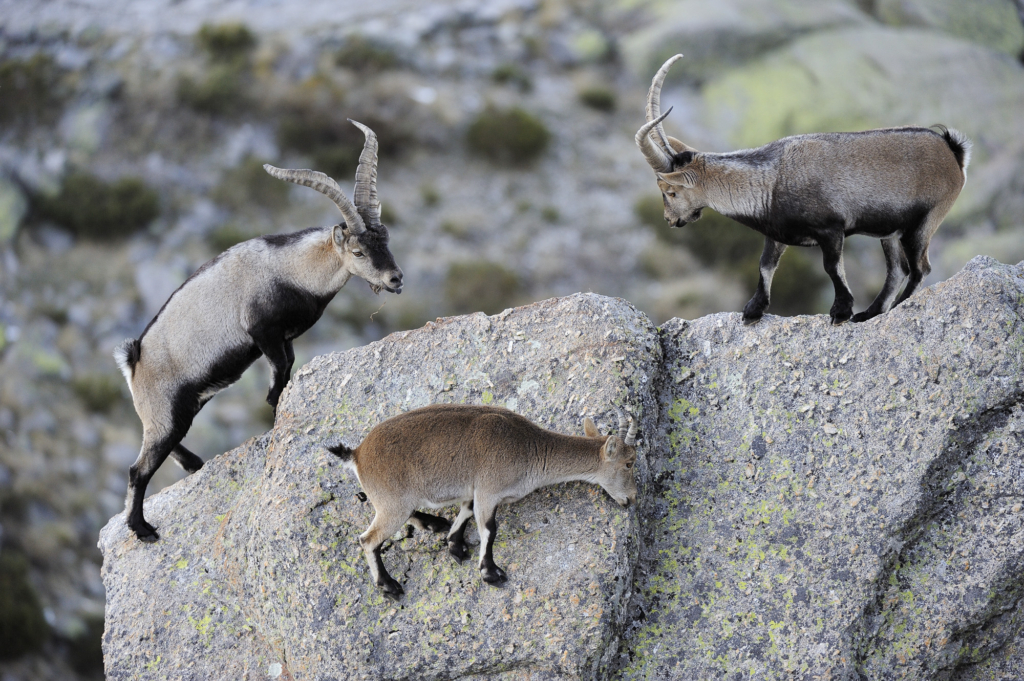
[
  {"x": 589, "y": 429},
  {"x": 681, "y": 178},
  {"x": 612, "y": 449},
  {"x": 678, "y": 146},
  {"x": 339, "y": 233}
]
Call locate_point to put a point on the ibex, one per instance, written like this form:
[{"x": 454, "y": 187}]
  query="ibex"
[
  {"x": 251, "y": 300},
  {"x": 478, "y": 457},
  {"x": 895, "y": 184}
]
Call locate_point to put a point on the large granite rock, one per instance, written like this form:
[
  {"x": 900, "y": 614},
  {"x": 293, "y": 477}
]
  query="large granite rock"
[
  {"x": 815, "y": 502},
  {"x": 831, "y": 502},
  {"x": 259, "y": 571}
]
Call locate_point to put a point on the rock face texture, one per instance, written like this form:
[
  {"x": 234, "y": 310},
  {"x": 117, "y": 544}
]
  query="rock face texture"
[{"x": 815, "y": 502}]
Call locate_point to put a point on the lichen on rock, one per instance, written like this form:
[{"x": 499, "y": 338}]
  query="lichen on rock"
[{"x": 814, "y": 500}]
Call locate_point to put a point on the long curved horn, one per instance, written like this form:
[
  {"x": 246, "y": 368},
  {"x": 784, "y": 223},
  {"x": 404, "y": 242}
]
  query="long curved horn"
[
  {"x": 631, "y": 435},
  {"x": 654, "y": 100},
  {"x": 622, "y": 425},
  {"x": 326, "y": 186},
  {"x": 656, "y": 155},
  {"x": 365, "y": 192}
]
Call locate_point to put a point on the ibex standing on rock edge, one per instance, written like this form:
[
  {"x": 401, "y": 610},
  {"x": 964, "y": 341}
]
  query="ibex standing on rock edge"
[
  {"x": 895, "y": 184},
  {"x": 251, "y": 300},
  {"x": 478, "y": 457}
]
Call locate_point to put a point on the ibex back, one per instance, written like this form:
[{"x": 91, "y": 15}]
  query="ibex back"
[{"x": 478, "y": 457}]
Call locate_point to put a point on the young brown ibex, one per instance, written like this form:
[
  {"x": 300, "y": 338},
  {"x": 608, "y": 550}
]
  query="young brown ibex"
[
  {"x": 478, "y": 457},
  {"x": 249, "y": 301},
  {"x": 895, "y": 184}
]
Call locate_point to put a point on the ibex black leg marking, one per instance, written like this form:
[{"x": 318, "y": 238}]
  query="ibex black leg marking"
[
  {"x": 896, "y": 270},
  {"x": 427, "y": 522},
  {"x": 754, "y": 309},
  {"x": 457, "y": 535},
  {"x": 487, "y": 523},
  {"x": 186, "y": 459},
  {"x": 832, "y": 257}
]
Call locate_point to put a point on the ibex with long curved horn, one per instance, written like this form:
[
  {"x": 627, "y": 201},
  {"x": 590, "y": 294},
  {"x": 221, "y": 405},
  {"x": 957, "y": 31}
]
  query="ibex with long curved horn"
[
  {"x": 895, "y": 184},
  {"x": 250, "y": 300},
  {"x": 478, "y": 457}
]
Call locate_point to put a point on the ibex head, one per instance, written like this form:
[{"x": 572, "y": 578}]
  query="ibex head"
[
  {"x": 676, "y": 164},
  {"x": 618, "y": 455},
  {"x": 361, "y": 241}
]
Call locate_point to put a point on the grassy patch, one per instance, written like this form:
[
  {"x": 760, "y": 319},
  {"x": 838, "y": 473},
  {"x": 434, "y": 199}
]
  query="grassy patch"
[
  {"x": 98, "y": 392},
  {"x": 366, "y": 56},
  {"x": 22, "y": 626},
  {"x": 85, "y": 651},
  {"x": 331, "y": 141},
  {"x": 598, "y": 98},
  {"x": 249, "y": 185},
  {"x": 224, "y": 237},
  {"x": 31, "y": 91},
  {"x": 99, "y": 210},
  {"x": 224, "y": 89},
  {"x": 508, "y": 136},
  {"x": 473, "y": 286},
  {"x": 226, "y": 42},
  {"x": 513, "y": 75}
]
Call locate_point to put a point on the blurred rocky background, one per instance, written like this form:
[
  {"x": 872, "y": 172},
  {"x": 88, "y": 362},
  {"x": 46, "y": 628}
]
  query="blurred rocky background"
[{"x": 132, "y": 135}]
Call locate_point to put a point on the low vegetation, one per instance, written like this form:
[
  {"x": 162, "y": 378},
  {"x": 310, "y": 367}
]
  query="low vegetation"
[
  {"x": 363, "y": 55},
  {"x": 98, "y": 392},
  {"x": 512, "y": 136},
  {"x": 513, "y": 75},
  {"x": 248, "y": 186},
  {"x": 23, "y": 628},
  {"x": 32, "y": 91},
  {"x": 479, "y": 285},
  {"x": 98, "y": 210},
  {"x": 598, "y": 98},
  {"x": 224, "y": 89}
]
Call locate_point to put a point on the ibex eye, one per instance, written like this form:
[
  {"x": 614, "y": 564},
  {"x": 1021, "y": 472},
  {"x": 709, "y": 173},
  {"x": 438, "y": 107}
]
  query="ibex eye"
[
  {"x": 358, "y": 254},
  {"x": 629, "y": 465}
]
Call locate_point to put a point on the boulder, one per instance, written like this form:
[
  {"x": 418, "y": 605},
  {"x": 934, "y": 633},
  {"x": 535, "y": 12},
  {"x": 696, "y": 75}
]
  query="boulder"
[
  {"x": 992, "y": 23},
  {"x": 833, "y": 501},
  {"x": 814, "y": 500},
  {"x": 258, "y": 570},
  {"x": 715, "y": 36}
]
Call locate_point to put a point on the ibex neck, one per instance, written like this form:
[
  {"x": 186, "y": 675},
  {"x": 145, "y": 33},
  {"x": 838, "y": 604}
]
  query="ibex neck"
[
  {"x": 737, "y": 185},
  {"x": 570, "y": 458}
]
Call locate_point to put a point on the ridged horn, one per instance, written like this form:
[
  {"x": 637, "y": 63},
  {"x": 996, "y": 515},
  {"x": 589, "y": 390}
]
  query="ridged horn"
[
  {"x": 365, "y": 193},
  {"x": 622, "y": 425},
  {"x": 654, "y": 101},
  {"x": 656, "y": 155},
  {"x": 326, "y": 186},
  {"x": 631, "y": 435}
]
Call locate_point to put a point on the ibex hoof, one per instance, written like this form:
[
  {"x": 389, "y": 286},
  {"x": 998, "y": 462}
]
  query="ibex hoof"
[
  {"x": 146, "y": 533},
  {"x": 391, "y": 588},
  {"x": 459, "y": 550},
  {"x": 494, "y": 576}
]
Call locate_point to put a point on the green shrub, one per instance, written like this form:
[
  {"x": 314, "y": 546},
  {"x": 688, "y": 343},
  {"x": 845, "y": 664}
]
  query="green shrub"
[
  {"x": 365, "y": 56},
  {"x": 85, "y": 651},
  {"x": 514, "y": 75},
  {"x": 31, "y": 91},
  {"x": 224, "y": 91},
  {"x": 249, "y": 184},
  {"x": 650, "y": 211},
  {"x": 95, "y": 209},
  {"x": 23, "y": 628},
  {"x": 224, "y": 237},
  {"x": 431, "y": 197},
  {"x": 98, "y": 392},
  {"x": 226, "y": 42},
  {"x": 599, "y": 98},
  {"x": 550, "y": 214},
  {"x": 511, "y": 136},
  {"x": 333, "y": 143},
  {"x": 480, "y": 285}
]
